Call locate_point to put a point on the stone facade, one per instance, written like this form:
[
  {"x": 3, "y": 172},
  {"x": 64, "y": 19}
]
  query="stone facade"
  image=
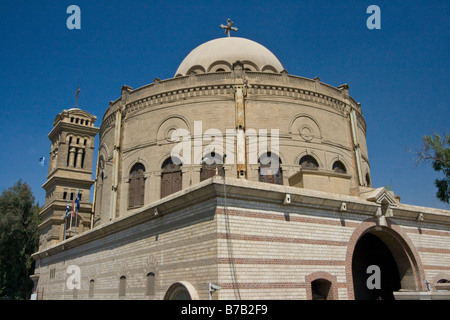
[
  {"x": 312, "y": 118},
  {"x": 307, "y": 232},
  {"x": 244, "y": 239}
]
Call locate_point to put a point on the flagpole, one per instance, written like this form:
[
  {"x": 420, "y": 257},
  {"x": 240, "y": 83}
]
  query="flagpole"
[
  {"x": 76, "y": 216},
  {"x": 65, "y": 219},
  {"x": 65, "y": 226},
  {"x": 76, "y": 213},
  {"x": 71, "y": 217},
  {"x": 70, "y": 225}
]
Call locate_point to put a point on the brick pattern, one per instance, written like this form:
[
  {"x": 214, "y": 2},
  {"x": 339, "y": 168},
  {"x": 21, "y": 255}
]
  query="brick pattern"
[
  {"x": 169, "y": 246},
  {"x": 252, "y": 250},
  {"x": 247, "y": 228}
]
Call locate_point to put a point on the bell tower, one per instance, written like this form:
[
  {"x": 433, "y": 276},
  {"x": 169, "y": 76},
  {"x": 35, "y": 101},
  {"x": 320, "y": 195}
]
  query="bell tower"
[{"x": 69, "y": 175}]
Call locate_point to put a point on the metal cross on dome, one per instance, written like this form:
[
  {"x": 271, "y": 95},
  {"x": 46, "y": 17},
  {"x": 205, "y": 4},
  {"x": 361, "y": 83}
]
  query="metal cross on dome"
[{"x": 229, "y": 27}]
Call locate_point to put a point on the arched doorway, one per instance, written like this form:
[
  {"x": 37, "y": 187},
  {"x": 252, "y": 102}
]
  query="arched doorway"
[
  {"x": 181, "y": 291},
  {"x": 397, "y": 265},
  {"x": 321, "y": 285},
  {"x": 372, "y": 251},
  {"x": 320, "y": 289}
]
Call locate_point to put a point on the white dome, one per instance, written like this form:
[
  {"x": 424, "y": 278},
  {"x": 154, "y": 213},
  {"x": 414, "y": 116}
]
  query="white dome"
[{"x": 220, "y": 54}]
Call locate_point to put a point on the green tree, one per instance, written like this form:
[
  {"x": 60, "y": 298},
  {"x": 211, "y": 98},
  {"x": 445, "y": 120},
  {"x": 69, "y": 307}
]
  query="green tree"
[
  {"x": 19, "y": 218},
  {"x": 437, "y": 150}
]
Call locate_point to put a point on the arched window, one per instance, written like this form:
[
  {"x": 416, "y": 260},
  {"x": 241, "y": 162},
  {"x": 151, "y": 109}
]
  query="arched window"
[
  {"x": 321, "y": 289},
  {"x": 136, "y": 189},
  {"x": 339, "y": 167},
  {"x": 81, "y": 154},
  {"x": 171, "y": 178},
  {"x": 270, "y": 169},
  {"x": 150, "y": 290},
  {"x": 308, "y": 162},
  {"x": 91, "y": 288},
  {"x": 122, "y": 286},
  {"x": 211, "y": 163}
]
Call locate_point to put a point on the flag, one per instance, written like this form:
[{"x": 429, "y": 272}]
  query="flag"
[
  {"x": 67, "y": 209},
  {"x": 77, "y": 200}
]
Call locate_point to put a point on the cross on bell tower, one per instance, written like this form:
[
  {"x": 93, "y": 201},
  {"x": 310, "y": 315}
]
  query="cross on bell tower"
[{"x": 228, "y": 27}]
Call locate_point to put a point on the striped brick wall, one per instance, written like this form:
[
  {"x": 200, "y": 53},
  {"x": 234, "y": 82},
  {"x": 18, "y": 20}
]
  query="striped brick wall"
[
  {"x": 272, "y": 251},
  {"x": 175, "y": 247},
  {"x": 252, "y": 249}
]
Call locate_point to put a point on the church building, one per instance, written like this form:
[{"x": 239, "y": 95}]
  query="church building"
[{"x": 232, "y": 180}]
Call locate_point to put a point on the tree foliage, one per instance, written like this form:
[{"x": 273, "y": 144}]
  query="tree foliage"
[
  {"x": 437, "y": 150},
  {"x": 19, "y": 218}
]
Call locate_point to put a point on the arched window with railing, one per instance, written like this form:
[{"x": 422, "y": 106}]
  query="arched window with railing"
[
  {"x": 270, "y": 168},
  {"x": 212, "y": 164}
]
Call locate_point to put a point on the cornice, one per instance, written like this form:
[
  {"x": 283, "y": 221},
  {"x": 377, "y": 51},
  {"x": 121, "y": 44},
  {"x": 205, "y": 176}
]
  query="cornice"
[
  {"x": 77, "y": 176},
  {"x": 259, "y": 84},
  {"x": 73, "y": 128}
]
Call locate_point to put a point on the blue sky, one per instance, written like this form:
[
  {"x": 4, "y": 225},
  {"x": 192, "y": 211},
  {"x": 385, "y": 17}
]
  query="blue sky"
[{"x": 399, "y": 73}]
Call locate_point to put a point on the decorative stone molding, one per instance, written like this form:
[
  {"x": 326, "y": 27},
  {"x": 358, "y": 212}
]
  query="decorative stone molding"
[
  {"x": 177, "y": 89},
  {"x": 386, "y": 200},
  {"x": 151, "y": 265}
]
